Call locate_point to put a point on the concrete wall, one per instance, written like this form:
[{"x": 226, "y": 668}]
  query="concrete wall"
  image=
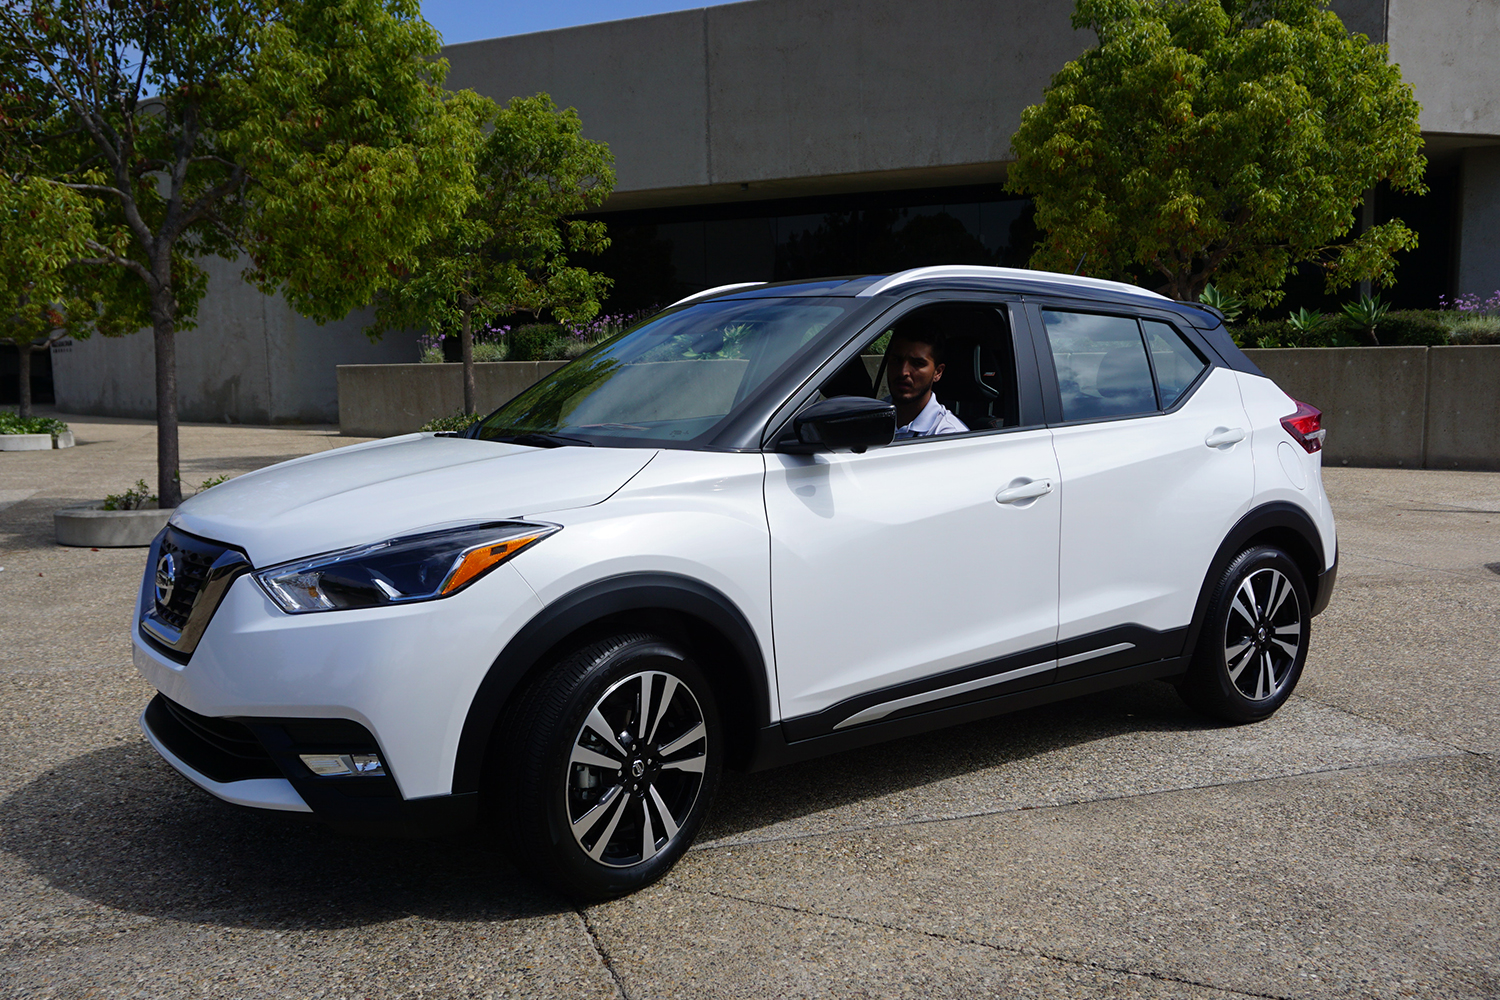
[
  {"x": 381, "y": 400},
  {"x": 1449, "y": 51},
  {"x": 773, "y": 92},
  {"x": 251, "y": 360},
  {"x": 1413, "y": 407}
]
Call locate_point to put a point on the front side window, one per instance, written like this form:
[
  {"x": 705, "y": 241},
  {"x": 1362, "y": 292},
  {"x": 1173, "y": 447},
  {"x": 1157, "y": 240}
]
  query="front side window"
[
  {"x": 672, "y": 379},
  {"x": 948, "y": 367},
  {"x": 1101, "y": 364}
]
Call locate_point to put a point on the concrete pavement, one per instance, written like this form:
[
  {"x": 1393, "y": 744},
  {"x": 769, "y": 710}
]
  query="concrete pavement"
[{"x": 1116, "y": 845}]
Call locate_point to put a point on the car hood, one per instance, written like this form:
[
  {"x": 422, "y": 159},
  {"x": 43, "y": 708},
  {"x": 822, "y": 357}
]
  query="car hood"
[{"x": 398, "y": 486}]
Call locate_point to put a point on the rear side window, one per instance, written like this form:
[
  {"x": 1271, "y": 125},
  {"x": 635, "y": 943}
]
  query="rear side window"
[
  {"x": 1174, "y": 359},
  {"x": 1102, "y": 370}
]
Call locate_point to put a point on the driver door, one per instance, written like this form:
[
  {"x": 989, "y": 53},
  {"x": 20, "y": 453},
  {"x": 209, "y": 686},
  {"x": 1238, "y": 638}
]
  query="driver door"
[{"x": 914, "y": 576}]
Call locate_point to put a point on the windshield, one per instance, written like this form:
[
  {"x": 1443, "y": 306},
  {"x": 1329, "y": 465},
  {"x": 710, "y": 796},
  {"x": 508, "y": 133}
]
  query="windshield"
[{"x": 673, "y": 378}]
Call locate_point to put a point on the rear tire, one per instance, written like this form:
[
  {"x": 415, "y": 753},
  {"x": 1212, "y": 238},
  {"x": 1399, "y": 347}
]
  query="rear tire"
[
  {"x": 1254, "y": 641},
  {"x": 592, "y": 797}
]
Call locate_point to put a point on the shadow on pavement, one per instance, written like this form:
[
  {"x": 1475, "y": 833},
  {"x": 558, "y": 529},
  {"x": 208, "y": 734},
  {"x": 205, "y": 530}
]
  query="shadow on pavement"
[
  {"x": 746, "y": 802},
  {"x": 119, "y": 827}
]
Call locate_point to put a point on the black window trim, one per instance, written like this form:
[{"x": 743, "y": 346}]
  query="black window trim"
[
  {"x": 1042, "y": 347},
  {"x": 1030, "y": 386}
]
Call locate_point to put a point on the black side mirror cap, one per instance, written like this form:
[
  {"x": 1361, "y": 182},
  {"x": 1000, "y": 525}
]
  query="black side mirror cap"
[{"x": 852, "y": 422}]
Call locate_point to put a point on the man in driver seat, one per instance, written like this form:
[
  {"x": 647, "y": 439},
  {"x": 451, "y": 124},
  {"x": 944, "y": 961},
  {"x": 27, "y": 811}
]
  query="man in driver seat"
[{"x": 914, "y": 364}]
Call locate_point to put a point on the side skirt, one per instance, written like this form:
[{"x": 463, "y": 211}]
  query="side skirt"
[{"x": 773, "y": 749}]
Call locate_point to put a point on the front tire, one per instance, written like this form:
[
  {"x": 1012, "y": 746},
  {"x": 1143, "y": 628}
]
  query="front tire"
[
  {"x": 1254, "y": 641},
  {"x": 607, "y": 766}
]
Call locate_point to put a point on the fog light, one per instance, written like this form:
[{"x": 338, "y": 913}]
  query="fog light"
[{"x": 331, "y": 764}]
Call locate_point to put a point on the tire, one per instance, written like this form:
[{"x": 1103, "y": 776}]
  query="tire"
[
  {"x": 593, "y": 799},
  {"x": 1253, "y": 643}
]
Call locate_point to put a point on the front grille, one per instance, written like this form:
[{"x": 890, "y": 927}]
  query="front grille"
[
  {"x": 193, "y": 557},
  {"x": 221, "y": 749},
  {"x": 188, "y": 577}
]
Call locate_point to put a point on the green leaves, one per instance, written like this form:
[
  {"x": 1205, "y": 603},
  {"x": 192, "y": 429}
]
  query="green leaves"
[
  {"x": 1218, "y": 140},
  {"x": 358, "y": 157},
  {"x": 509, "y": 250}
]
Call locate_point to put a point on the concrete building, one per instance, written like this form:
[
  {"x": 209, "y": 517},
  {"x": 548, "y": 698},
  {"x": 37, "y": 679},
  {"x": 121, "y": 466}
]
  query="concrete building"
[{"x": 788, "y": 138}]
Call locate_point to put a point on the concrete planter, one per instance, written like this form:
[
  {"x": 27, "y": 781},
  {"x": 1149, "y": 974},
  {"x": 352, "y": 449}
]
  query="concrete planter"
[
  {"x": 383, "y": 400},
  {"x": 93, "y": 526},
  {"x": 36, "y": 442},
  {"x": 25, "y": 442}
]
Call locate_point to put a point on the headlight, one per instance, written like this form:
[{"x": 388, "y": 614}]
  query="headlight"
[{"x": 414, "y": 568}]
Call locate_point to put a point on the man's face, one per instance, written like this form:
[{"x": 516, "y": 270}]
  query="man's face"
[{"x": 911, "y": 370}]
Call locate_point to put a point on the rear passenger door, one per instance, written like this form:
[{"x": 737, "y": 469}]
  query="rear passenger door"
[{"x": 1155, "y": 467}]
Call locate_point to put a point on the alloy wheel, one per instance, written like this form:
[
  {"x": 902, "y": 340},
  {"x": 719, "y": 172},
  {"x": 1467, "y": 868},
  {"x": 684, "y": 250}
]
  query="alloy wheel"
[
  {"x": 636, "y": 768},
  {"x": 1263, "y": 634}
]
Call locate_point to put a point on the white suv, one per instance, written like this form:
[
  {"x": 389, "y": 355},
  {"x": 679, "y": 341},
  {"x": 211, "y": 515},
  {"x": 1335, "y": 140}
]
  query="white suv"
[{"x": 698, "y": 546}]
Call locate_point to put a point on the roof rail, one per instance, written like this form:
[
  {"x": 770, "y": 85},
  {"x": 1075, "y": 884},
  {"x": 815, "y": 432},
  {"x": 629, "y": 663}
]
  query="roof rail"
[
  {"x": 979, "y": 271},
  {"x": 715, "y": 291}
]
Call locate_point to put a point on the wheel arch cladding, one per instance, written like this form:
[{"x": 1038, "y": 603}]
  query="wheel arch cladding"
[
  {"x": 1283, "y": 525},
  {"x": 708, "y": 623}
]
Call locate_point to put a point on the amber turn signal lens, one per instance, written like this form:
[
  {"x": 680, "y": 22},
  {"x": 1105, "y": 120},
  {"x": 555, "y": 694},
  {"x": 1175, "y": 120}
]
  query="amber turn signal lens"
[{"x": 477, "y": 561}]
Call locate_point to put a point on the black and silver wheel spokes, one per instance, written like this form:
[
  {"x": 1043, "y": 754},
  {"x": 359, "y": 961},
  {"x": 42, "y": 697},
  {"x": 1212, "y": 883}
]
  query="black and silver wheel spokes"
[
  {"x": 636, "y": 769},
  {"x": 1263, "y": 634}
]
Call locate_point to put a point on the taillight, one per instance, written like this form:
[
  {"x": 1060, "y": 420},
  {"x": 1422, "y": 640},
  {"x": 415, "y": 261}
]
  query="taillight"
[{"x": 1306, "y": 426}]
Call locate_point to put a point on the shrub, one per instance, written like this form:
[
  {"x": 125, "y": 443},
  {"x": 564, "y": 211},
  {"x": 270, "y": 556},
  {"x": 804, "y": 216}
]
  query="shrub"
[
  {"x": 1471, "y": 329},
  {"x": 459, "y": 421},
  {"x": 13, "y": 423},
  {"x": 491, "y": 350},
  {"x": 132, "y": 499},
  {"x": 535, "y": 342},
  {"x": 1412, "y": 328}
]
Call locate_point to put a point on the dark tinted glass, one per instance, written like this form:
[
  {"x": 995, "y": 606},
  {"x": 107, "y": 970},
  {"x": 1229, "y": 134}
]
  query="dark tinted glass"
[
  {"x": 673, "y": 378},
  {"x": 1101, "y": 365},
  {"x": 1176, "y": 363}
]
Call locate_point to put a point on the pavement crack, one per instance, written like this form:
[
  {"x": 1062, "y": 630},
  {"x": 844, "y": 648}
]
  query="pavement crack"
[
  {"x": 978, "y": 942},
  {"x": 1382, "y": 722},
  {"x": 602, "y": 952},
  {"x": 1041, "y": 806}
]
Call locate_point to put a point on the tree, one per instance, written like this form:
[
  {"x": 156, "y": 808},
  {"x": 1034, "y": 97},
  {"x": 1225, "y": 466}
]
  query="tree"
[
  {"x": 1218, "y": 140},
  {"x": 44, "y": 295},
  {"x": 508, "y": 253},
  {"x": 313, "y": 134}
]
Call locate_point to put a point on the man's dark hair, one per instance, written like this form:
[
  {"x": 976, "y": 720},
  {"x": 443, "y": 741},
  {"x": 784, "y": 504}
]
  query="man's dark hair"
[{"x": 921, "y": 333}]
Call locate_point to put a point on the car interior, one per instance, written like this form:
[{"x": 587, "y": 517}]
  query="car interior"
[{"x": 979, "y": 370}]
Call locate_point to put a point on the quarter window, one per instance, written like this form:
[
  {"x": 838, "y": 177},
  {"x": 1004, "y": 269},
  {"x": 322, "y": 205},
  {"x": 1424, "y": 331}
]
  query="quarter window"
[
  {"x": 1101, "y": 365},
  {"x": 1174, "y": 359}
]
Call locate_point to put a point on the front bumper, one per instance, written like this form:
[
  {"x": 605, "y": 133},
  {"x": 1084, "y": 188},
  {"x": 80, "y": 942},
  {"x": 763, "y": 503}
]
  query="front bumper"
[{"x": 399, "y": 681}]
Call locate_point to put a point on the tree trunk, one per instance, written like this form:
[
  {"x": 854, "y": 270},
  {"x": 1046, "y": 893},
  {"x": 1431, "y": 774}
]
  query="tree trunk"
[
  {"x": 23, "y": 356},
  {"x": 466, "y": 343},
  {"x": 164, "y": 330}
]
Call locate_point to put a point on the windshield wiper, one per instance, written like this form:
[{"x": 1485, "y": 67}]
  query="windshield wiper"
[{"x": 540, "y": 439}]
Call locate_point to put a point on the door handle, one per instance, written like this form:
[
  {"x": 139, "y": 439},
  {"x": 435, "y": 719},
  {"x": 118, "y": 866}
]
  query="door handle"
[
  {"x": 1025, "y": 491},
  {"x": 1223, "y": 437}
]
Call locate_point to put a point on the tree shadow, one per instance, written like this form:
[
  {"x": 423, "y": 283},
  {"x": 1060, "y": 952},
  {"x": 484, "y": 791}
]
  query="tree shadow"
[
  {"x": 747, "y": 802},
  {"x": 118, "y": 826}
]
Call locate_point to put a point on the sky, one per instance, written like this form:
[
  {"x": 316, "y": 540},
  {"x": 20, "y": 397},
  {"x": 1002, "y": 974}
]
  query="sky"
[{"x": 471, "y": 20}]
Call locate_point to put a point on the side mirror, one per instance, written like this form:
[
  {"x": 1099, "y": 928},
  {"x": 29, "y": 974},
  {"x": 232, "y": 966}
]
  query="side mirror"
[{"x": 853, "y": 422}]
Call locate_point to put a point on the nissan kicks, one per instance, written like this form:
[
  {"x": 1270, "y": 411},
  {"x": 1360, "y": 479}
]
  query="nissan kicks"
[{"x": 770, "y": 522}]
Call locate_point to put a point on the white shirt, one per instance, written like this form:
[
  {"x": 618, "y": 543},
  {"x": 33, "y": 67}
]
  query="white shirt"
[{"x": 935, "y": 418}]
